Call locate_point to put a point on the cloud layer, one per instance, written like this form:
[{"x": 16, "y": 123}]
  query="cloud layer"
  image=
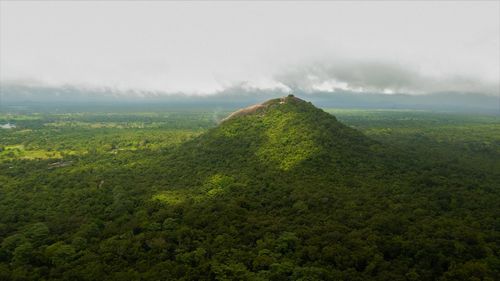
[
  {"x": 380, "y": 77},
  {"x": 204, "y": 48}
]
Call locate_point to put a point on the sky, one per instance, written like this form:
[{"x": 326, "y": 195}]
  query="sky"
[{"x": 206, "y": 47}]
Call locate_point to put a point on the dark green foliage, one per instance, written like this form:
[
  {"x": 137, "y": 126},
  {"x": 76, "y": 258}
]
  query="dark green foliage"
[{"x": 283, "y": 192}]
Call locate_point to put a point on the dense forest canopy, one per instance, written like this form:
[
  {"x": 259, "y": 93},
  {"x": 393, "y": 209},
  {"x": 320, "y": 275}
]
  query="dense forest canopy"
[{"x": 281, "y": 191}]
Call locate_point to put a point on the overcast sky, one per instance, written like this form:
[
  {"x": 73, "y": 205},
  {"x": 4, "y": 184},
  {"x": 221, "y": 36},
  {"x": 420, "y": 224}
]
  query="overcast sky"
[{"x": 203, "y": 48}]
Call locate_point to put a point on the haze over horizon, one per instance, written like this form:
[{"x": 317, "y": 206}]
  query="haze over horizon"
[{"x": 205, "y": 48}]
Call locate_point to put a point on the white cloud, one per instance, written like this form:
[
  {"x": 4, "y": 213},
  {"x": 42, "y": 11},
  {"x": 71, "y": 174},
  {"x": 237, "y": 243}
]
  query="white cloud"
[{"x": 202, "y": 48}]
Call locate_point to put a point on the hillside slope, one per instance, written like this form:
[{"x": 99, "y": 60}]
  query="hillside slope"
[{"x": 284, "y": 139}]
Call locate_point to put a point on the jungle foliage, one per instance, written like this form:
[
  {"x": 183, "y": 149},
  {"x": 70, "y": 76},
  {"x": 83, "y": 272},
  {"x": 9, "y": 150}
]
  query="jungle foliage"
[{"x": 284, "y": 193}]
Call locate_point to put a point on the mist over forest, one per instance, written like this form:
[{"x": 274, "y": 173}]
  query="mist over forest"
[{"x": 70, "y": 97}]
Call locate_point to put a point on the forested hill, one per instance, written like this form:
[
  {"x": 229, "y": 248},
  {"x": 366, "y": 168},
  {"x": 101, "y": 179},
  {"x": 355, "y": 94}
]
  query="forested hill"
[
  {"x": 286, "y": 191},
  {"x": 281, "y": 139}
]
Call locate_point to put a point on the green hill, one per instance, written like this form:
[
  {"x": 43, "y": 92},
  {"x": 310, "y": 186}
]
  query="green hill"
[
  {"x": 283, "y": 191},
  {"x": 281, "y": 140}
]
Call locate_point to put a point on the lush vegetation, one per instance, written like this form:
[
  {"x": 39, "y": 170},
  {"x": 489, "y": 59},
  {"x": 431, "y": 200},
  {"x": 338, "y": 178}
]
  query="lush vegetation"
[{"x": 284, "y": 193}]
